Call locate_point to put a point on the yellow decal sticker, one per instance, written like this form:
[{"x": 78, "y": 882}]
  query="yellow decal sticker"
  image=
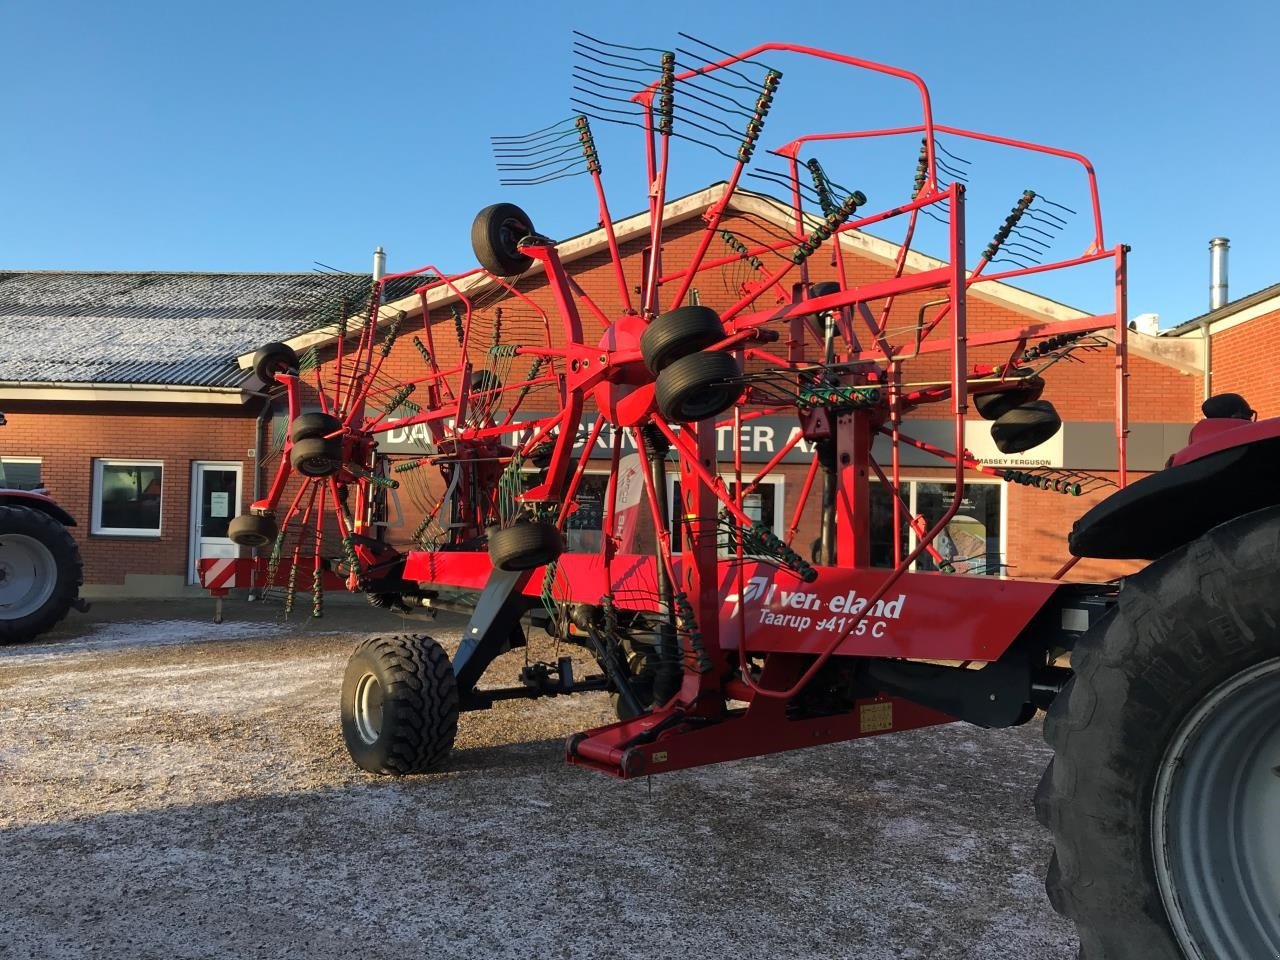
[
  {"x": 660, "y": 757},
  {"x": 874, "y": 717}
]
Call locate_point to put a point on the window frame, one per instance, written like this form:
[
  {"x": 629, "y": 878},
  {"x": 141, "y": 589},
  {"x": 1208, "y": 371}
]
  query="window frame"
[
  {"x": 95, "y": 499},
  {"x": 913, "y": 538},
  {"x": 779, "y": 483},
  {"x": 4, "y": 458}
]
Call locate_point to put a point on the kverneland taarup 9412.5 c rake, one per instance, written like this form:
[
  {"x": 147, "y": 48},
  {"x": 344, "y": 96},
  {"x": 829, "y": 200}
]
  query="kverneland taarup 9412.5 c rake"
[{"x": 723, "y": 635}]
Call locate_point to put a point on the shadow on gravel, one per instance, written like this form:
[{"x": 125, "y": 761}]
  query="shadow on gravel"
[{"x": 843, "y": 851}]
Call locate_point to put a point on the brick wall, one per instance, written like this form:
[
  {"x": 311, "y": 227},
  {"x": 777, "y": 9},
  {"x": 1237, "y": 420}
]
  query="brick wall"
[
  {"x": 1037, "y": 521},
  {"x": 69, "y": 436},
  {"x": 1242, "y": 363}
]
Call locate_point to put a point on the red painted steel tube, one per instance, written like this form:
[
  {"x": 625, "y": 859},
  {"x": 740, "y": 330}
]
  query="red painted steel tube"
[
  {"x": 606, "y": 220},
  {"x": 1122, "y": 366},
  {"x": 802, "y": 500},
  {"x": 578, "y": 473}
]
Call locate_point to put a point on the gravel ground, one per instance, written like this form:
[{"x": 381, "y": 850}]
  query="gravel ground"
[{"x": 174, "y": 789}]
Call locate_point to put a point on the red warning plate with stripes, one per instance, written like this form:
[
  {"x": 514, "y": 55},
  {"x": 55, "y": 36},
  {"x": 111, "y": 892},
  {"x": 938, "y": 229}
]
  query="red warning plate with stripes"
[{"x": 218, "y": 573}]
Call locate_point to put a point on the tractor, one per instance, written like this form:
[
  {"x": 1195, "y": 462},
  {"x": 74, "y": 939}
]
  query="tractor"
[{"x": 721, "y": 635}]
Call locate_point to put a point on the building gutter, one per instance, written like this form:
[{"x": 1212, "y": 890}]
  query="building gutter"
[{"x": 119, "y": 392}]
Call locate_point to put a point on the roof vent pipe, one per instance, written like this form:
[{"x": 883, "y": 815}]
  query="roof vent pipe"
[
  {"x": 1218, "y": 272},
  {"x": 380, "y": 263}
]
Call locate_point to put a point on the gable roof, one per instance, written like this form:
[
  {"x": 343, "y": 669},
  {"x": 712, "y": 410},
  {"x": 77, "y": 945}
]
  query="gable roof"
[
  {"x": 1179, "y": 356},
  {"x": 156, "y": 329},
  {"x": 1231, "y": 314}
]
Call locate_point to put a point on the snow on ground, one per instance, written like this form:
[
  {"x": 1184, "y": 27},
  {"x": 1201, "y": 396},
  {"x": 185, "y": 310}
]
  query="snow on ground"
[{"x": 191, "y": 798}]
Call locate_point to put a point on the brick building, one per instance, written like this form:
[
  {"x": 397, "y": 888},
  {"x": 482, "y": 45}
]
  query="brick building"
[
  {"x": 1233, "y": 341},
  {"x": 124, "y": 400},
  {"x": 90, "y": 430}
]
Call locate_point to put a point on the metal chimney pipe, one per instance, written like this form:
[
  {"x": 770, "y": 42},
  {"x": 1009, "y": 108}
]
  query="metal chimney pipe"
[
  {"x": 1218, "y": 272},
  {"x": 380, "y": 263}
]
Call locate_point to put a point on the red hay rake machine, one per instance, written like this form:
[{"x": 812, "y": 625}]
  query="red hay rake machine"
[{"x": 721, "y": 638}]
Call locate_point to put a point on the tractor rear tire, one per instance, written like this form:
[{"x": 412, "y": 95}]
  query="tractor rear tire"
[
  {"x": 399, "y": 705},
  {"x": 1163, "y": 792},
  {"x": 698, "y": 387},
  {"x": 252, "y": 530},
  {"x": 274, "y": 358},
  {"x": 496, "y": 233},
  {"x": 40, "y": 573},
  {"x": 677, "y": 334},
  {"x": 1025, "y": 426},
  {"x": 525, "y": 546}
]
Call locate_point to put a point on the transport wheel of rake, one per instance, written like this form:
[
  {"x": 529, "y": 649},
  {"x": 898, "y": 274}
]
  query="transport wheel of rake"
[
  {"x": 399, "y": 705},
  {"x": 698, "y": 386},
  {"x": 525, "y": 546},
  {"x": 313, "y": 425},
  {"x": 252, "y": 530},
  {"x": 273, "y": 358},
  {"x": 1163, "y": 795},
  {"x": 496, "y": 233},
  {"x": 316, "y": 456},
  {"x": 993, "y": 406},
  {"x": 677, "y": 334},
  {"x": 40, "y": 573},
  {"x": 1025, "y": 426}
]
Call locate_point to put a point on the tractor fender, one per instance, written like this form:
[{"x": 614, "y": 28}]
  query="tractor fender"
[
  {"x": 36, "y": 501},
  {"x": 1227, "y": 471}
]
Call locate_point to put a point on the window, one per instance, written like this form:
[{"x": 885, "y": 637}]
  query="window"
[
  {"x": 583, "y": 529},
  {"x": 973, "y": 541},
  {"x": 20, "y": 473},
  {"x": 126, "y": 497},
  {"x": 763, "y": 505}
]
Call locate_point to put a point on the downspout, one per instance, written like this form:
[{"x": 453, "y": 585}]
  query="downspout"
[
  {"x": 1208, "y": 360},
  {"x": 260, "y": 426}
]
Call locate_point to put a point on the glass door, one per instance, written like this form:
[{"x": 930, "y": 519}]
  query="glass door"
[{"x": 215, "y": 499}]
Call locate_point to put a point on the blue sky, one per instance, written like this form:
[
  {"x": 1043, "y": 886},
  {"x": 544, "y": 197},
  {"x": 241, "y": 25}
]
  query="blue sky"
[{"x": 269, "y": 136}]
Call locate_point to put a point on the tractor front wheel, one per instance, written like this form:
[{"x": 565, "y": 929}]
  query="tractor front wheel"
[
  {"x": 1164, "y": 792},
  {"x": 399, "y": 705},
  {"x": 40, "y": 573}
]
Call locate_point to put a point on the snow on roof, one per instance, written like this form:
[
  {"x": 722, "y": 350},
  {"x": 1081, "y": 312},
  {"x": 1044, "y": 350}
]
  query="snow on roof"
[{"x": 158, "y": 328}]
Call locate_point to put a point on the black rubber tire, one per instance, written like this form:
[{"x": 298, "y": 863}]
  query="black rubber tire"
[
  {"x": 1187, "y": 623},
  {"x": 993, "y": 406},
  {"x": 65, "y": 554},
  {"x": 273, "y": 358},
  {"x": 313, "y": 425},
  {"x": 252, "y": 530},
  {"x": 495, "y": 236},
  {"x": 698, "y": 387},
  {"x": 419, "y": 705},
  {"x": 525, "y": 546},
  {"x": 677, "y": 334},
  {"x": 316, "y": 456},
  {"x": 1025, "y": 426}
]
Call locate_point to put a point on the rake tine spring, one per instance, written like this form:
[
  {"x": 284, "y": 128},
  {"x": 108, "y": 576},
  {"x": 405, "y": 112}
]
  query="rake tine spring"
[
  {"x": 1048, "y": 218},
  {"x": 513, "y": 138},
  {"x": 937, "y": 143},
  {"x": 724, "y": 53},
  {"x": 613, "y": 59},
  {"x": 620, "y": 46},
  {"x": 1060, "y": 206},
  {"x": 631, "y": 91}
]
